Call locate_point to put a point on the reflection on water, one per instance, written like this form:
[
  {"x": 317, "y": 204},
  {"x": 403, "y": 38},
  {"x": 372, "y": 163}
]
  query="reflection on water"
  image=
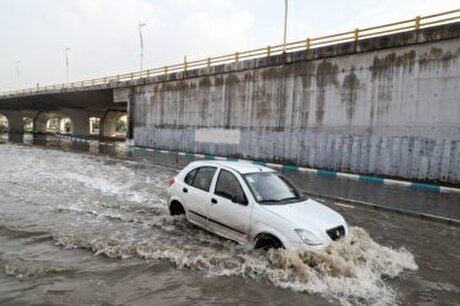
[{"x": 59, "y": 209}]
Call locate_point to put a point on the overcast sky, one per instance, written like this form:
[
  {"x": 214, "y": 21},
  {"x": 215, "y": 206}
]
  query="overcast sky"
[{"x": 103, "y": 34}]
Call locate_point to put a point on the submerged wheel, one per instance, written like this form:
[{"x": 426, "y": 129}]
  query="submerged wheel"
[
  {"x": 267, "y": 241},
  {"x": 176, "y": 209}
]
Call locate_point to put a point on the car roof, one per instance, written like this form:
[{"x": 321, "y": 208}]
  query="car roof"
[{"x": 241, "y": 167}]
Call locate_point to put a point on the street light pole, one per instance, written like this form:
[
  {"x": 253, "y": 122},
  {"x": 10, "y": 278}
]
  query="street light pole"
[
  {"x": 18, "y": 77},
  {"x": 141, "y": 24},
  {"x": 285, "y": 24},
  {"x": 66, "y": 50}
]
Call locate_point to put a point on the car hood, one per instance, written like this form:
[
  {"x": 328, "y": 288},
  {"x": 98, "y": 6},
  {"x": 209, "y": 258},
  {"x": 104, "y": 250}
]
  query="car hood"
[{"x": 308, "y": 213}]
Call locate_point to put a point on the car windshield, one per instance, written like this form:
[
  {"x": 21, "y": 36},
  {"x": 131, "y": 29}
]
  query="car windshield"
[{"x": 272, "y": 188}]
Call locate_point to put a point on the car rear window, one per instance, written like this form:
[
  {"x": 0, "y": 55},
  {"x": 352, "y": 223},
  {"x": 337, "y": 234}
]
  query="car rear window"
[
  {"x": 190, "y": 176},
  {"x": 203, "y": 178}
]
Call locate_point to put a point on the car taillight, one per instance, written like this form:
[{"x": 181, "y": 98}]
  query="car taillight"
[{"x": 171, "y": 180}]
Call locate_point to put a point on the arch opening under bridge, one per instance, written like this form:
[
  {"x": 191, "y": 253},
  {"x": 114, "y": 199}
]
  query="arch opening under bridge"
[
  {"x": 4, "y": 126},
  {"x": 52, "y": 122}
]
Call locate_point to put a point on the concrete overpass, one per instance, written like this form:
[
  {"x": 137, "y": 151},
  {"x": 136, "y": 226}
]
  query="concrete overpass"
[
  {"x": 382, "y": 100},
  {"x": 77, "y": 104}
]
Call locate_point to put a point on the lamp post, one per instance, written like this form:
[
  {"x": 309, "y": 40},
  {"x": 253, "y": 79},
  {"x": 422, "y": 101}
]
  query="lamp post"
[
  {"x": 66, "y": 50},
  {"x": 18, "y": 76},
  {"x": 285, "y": 24},
  {"x": 141, "y": 24}
]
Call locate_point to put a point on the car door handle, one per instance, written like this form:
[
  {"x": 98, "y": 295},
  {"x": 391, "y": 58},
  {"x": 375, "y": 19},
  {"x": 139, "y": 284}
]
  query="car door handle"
[
  {"x": 213, "y": 201},
  {"x": 185, "y": 190}
]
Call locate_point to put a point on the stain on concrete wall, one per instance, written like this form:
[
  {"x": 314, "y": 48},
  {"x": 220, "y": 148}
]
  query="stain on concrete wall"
[
  {"x": 393, "y": 112},
  {"x": 350, "y": 87},
  {"x": 326, "y": 77}
]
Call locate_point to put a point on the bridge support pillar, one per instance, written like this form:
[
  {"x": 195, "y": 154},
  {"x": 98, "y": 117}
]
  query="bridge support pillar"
[
  {"x": 109, "y": 123},
  {"x": 79, "y": 123},
  {"x": 15, "y": 125},
  {"x": 109, "y": 126},
  {"x": 40, "y": 123},
  {"x": 15, "y": 121}
]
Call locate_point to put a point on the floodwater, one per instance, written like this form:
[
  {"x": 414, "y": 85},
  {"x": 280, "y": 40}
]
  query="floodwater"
[{"x": 93, "y": 229}]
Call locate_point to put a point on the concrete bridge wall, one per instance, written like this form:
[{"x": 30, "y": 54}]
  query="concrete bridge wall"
[{"x": 388, "y": 111}]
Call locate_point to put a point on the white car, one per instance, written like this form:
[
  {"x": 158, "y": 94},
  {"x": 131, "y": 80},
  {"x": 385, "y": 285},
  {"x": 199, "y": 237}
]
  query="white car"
[{"x": 252, "y": 205}]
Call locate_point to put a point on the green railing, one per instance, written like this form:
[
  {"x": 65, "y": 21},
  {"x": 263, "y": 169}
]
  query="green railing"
[{"x": 418, "y": 22}]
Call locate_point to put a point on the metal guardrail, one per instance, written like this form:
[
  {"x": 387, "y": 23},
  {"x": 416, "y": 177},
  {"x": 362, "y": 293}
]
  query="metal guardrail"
[{"x": 418, "y": 22}]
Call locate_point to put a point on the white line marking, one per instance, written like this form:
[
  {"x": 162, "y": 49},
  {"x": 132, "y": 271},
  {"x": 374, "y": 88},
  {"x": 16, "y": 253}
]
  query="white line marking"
[
  {"x": 273, "y": 165},
  {"x": 348, "y": 176},
  {"x": 449, "y": 189},
  {"x": 344, "y": 205},
  {"x": 396, "y": 182}
]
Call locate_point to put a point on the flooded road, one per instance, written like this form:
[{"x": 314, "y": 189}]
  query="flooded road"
[{"x": 92, "y": 229}]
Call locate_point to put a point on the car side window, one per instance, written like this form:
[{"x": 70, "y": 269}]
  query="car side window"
[
  {"x": 228, "y": 187},
  {"x": 190, "y": 176},
  {"x": 203, "y": 178}
]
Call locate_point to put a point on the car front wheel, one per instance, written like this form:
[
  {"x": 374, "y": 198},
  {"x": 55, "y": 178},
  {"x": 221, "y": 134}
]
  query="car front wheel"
[{"x": 267, "y": 241}]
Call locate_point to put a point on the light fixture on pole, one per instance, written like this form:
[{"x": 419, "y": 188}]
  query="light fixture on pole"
[
  {"x": 285, "y": 24},
  {"x": 66, "y": 50},
  {"x": 18, "y": 76},
  {"x": 141, "y": 24}
]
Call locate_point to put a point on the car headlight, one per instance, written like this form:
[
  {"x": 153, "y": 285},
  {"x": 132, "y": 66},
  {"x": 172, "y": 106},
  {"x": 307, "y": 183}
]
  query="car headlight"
[{"x": 308, "y": 237}]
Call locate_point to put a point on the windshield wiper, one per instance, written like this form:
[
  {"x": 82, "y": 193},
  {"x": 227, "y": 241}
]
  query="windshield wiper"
[
  {"x": 291, "y": 198},
  {"x": 270, "y": 200},
  {"x": 301, "y": 198}
]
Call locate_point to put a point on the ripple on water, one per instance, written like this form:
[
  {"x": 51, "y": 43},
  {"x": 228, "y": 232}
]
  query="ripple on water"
[{"x": 22, "y": 268}]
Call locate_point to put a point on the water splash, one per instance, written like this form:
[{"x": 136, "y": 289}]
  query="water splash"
[{"x": 354, "y": 270}]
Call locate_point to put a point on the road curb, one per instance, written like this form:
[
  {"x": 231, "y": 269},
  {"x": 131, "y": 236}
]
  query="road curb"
[{"x": 356, "y": 177}]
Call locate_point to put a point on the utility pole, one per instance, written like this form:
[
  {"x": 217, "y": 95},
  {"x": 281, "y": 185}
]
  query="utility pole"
[
  {"x": 285, "y": 24},
  {"x": 18, "y": 76},
  {"x": 66, "y": 50},
  {"x": 141, "y": 24}
]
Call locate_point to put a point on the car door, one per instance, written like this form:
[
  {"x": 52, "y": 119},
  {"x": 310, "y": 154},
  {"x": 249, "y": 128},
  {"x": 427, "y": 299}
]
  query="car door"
[
  {"x": 229, "y": 212},
  {"x": 196, "y": 191}
]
